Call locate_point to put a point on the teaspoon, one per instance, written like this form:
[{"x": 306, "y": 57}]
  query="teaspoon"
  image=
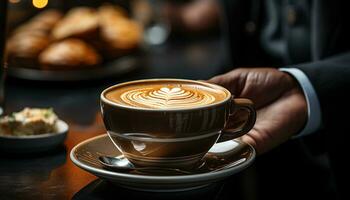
[{"x": 123, "y": 164}]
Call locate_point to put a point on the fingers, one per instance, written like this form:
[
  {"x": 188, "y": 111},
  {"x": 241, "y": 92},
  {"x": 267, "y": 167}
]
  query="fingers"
[
  {"x": 217, "y": 79},
  {"x": 249, "y": 140},
  {"x": 276, "y": 99},
  {"x": 234, "y": 81},
  {"x": 230, "y": 81},
  {"x": 273, "y": 125},
  {"x": 261, "y": 85}
]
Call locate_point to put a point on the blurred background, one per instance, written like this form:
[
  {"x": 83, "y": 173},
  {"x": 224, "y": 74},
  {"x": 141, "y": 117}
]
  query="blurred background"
[
  {"x": 105, "y": 31},
  {"x": 63, "y": 53},
  {"x": 55, "y": 48}
]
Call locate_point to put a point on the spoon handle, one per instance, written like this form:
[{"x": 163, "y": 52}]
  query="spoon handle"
[
  {"x": 161, "y": 169},
  {"x": 149, "y": 170}
]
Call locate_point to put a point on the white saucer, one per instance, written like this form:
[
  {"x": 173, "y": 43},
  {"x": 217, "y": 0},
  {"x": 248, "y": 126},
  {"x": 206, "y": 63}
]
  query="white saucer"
[
  {"x": 34, "y": 143},
  {"x": 230, "y": 157}
]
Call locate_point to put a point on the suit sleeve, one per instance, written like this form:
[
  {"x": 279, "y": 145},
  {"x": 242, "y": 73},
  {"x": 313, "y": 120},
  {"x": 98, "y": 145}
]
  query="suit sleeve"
[{"x": 331, "y": 80}]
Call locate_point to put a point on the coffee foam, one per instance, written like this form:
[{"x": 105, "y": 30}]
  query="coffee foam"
[{"x": 166, "y": 96}]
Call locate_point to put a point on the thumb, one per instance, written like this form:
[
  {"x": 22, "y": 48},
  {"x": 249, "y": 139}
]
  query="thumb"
[
  {"x": 222, "y": 80},
  {"x": 230, "y": 81}
]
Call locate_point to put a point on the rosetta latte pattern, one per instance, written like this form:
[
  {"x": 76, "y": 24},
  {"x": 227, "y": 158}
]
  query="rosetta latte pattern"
[{"x": 166, "y": 98}]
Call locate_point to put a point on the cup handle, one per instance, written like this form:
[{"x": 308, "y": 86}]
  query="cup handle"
[{"x": 240, "y": 104}]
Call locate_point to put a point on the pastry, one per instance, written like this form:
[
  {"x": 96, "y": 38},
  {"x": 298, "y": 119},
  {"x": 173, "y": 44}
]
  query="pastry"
[
  {"x": 119, "y": 34},
  {"x": 108, "y": 11},
  {"x": 52, "y": 41},
  {"x": 23, "y": 49},
  {"x": 69, "y": 54},
  {"x": 43, "y": 22},
  {"x": 30, "y": 39},
  {"x": 48, "y": 17},
  {"x": 80, "y": 22}
]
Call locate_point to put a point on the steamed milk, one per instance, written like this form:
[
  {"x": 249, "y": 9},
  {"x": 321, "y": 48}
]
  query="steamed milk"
[{"x": 165, "y": 95}]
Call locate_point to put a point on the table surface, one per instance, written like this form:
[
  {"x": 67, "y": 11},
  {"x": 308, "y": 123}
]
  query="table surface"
[{"x": 52, "y": 175}]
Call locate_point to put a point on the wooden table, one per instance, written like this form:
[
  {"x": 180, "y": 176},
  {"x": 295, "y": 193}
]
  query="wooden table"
[
  {"x": 284, "y": 173},
  {"x": 52, "y": 175}
]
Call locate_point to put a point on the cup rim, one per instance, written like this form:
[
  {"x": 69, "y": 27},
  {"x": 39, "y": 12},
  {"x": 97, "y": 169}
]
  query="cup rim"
[{"x": 211, "y": 85}]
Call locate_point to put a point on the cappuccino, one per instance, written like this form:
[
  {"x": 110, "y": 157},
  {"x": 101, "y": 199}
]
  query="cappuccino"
[
  {"x": 166, "y": 94},
  {"x": 170, "y": 122}
]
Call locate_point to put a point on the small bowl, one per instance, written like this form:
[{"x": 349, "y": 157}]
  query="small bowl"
[{"x": 34, "y": 143}]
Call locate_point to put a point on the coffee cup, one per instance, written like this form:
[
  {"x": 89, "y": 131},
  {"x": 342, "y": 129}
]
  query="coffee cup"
[{"x": 171, "y": 122}]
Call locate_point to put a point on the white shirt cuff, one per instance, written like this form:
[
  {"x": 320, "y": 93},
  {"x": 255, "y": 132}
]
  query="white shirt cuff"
[{"x": 314, "y": 110}]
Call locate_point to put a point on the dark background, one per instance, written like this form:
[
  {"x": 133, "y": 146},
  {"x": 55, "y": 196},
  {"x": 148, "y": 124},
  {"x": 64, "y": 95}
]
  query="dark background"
[{"x": 280, "y": 174}]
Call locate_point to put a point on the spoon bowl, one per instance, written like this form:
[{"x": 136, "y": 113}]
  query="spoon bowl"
[{"x": 120, "y": 163}]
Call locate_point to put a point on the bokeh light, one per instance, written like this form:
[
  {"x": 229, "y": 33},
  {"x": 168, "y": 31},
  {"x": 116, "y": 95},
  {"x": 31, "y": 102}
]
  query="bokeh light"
[{"x": 40, "y": 3}]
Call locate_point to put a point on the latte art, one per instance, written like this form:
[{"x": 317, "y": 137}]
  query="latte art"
[
  {"x": 163, "y": 94},
  {"x": 166, "y": 97}
]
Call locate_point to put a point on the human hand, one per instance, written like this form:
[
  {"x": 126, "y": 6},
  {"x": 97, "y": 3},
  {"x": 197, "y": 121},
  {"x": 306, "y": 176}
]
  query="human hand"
[{"x": 280, "y": 103}]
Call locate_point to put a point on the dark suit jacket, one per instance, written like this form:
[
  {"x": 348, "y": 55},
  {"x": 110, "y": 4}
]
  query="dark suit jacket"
[{"x": 312, "y": 36}]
